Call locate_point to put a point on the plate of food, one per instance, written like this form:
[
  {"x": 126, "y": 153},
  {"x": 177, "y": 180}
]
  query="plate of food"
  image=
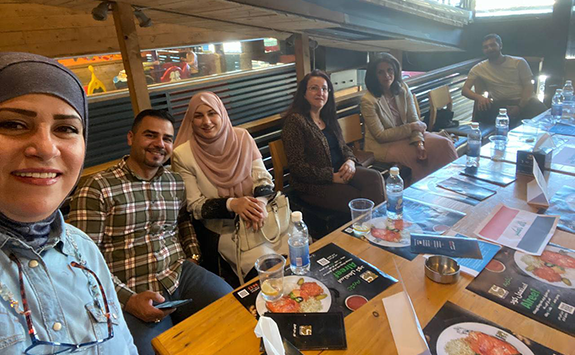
[
  {"x": 555, "y": 266},
  {"x": 479, "y": 339},
  {"x": 392, "y": 233},
  {"x": 300, "y": 294}
]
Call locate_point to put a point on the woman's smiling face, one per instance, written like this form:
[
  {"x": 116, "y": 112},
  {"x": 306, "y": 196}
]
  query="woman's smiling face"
[{"x": 41, "y": 156}]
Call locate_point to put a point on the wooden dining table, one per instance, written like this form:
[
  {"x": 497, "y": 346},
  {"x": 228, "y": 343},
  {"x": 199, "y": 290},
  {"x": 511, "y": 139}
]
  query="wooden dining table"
[{"x": 226, "y": 327}]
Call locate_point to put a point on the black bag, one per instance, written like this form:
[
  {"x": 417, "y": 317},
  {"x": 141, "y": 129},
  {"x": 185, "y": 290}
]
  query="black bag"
[{"x": 444, "y": 120}]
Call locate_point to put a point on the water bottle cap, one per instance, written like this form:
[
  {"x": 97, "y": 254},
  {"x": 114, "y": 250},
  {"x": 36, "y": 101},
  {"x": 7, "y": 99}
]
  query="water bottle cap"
[
  {"x": 568, "y": 82},
  {"x": 558, "y": 91},
  {"x": 394, "y": 170},
  {"x": 296, "y": 216},
  {"x": 502, "y": 111},
  {"x": 474, "y": 125}
]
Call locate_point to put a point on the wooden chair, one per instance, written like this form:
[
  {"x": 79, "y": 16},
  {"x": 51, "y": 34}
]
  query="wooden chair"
[
  {"x": 279, "y": 163},
  {"x": 352, "y": 134},
  {"x": 438, "y": 99},
  {"x": 416, "y": 106}
]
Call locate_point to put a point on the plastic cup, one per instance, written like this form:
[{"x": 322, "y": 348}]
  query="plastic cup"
[
  {"x": 270, "y": 269},
  {"x": 498, "y": 145},
  {"x": 361, "y": 211}
]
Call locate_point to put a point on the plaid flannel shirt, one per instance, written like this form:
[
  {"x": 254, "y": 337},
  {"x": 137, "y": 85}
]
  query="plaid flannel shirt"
[{"x": 141, "y": 227}]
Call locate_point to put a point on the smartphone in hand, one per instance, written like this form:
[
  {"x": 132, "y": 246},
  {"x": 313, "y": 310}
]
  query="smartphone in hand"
[{"x": 172, "y": 304}]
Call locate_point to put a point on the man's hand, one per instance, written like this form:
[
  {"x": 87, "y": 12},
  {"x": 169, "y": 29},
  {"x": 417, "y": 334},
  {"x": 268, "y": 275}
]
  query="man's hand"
[
  {"x": 421, "y": 152},
  {"x": 140, "y": 306},
  {"x": 483, "y": 103},
  {"x": 347, "y": 170},
  {"x": 513, "y": 111}
]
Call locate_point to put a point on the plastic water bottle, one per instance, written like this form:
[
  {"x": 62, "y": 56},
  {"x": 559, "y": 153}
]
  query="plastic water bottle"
[
  {"x": 394, "y": 190},
  {"x": 298, "y": 245},
  {"x": 557, "y": 105},
  {"x": 473, "y": 145},
  {"x": 502, "y": 123},
  {"x": 568, "y": 104}
]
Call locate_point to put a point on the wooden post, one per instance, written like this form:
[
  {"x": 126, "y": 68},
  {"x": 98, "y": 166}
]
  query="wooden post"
[
  {"x": 302, "y": 61},
  {"x": 131, "y": 57}
]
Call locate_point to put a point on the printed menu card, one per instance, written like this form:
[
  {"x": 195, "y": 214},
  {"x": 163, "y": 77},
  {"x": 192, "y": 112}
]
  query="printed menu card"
[
  {"x": 344, "y": 283},
  {"x": 539, "y": 287},
  {"x": 457, "y": 331}
]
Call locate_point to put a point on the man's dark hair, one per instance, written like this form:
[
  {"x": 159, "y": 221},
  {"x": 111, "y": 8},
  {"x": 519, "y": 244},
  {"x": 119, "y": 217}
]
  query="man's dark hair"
[
  {"x": 494, "y": 36},
  {"x": 162, "y": 114},
  {"x": 371, "y": 80}
]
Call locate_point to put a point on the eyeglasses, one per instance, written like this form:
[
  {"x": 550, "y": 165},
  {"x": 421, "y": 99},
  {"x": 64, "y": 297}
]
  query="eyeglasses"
[
  {"x": 315, "y": 88},
  {"x": 40, "y": 347}
]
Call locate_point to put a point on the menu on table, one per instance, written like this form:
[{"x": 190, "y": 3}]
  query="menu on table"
[
  {"x": 348, "y": 281},
  {"x": 465, "y": 186},
  {"x": 418, "y": 217},
  {"x": 474, "y": 266},
  {"x": 563, "y": 205},
  {"x": 568, "y": 130},
  {"x": 565, "y": 156},
  {"x": 428, "y": 187},
  {"x": 452, "y": 246},
  {"x": 457, "y": 331},
  {"x": 489, "y": 175},
  {"x": 539, "y": 287}
]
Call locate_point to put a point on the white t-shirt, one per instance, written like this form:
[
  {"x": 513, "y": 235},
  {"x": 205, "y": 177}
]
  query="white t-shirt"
[{"x": 503, "y": 81}]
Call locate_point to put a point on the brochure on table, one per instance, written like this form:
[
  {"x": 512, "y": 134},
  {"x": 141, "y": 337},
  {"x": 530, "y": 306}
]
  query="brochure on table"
[
  {"x": 456, "y": 331},
  {"x": 563, "y": 205},
  {"x": 518, "y": 229},
  {"x": 349, "y": 280},
  {"x": 539, "y": 287},
  {"x": 418, "y": 217},
  {"x": 467, "y": 187}
]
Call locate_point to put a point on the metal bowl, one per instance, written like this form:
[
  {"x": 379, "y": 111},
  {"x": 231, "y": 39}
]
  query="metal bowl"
[{"x": 442, "y": 269}]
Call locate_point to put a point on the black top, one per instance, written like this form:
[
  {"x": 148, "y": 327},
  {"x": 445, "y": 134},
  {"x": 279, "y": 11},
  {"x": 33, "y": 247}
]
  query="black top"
[{"x": 334, "y": 149}]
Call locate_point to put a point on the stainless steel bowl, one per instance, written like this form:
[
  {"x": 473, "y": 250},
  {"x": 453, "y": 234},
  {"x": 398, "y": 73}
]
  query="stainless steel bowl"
[{"x": 442, "y": 269}]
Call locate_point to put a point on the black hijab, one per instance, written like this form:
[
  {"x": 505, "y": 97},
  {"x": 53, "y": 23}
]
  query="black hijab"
[{"x": 23, "y": 74}]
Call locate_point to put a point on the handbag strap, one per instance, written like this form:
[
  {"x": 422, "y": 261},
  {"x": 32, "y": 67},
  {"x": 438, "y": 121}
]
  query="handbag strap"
[
  {"x": 239, "y": 272},
  {"x": 277, "y": 220}
]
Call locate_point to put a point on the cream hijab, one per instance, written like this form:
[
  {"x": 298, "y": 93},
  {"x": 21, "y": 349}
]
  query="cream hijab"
[{"x": 226, "y": 159}]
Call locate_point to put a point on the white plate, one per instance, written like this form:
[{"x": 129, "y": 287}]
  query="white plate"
[
  {"x": 457, "y": 331},
  {"x": 570, "y": 273},
  {"x": 380, "y": 222},
  {"x": 290, "y": 283}
]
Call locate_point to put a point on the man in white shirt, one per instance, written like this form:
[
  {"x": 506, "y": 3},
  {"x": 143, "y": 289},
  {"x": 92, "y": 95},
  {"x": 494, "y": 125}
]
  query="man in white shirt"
[{"x": 508, "y": 81}]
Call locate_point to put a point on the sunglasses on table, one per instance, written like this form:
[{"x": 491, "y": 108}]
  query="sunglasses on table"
[{"x": 40, "y": 347}]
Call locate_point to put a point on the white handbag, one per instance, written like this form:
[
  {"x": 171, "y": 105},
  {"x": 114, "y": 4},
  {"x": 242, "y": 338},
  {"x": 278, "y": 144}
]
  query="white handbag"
[{"x": 272, "y": 238}]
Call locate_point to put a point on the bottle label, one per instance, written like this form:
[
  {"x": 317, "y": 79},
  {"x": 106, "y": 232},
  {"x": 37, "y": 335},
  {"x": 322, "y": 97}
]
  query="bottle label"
[{"x": 395, "y": 202}]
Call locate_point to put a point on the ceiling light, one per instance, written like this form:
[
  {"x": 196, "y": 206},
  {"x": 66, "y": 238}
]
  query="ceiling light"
[
  {"x": 100, "y": 12},
  {"x": 144, "y": 20}
]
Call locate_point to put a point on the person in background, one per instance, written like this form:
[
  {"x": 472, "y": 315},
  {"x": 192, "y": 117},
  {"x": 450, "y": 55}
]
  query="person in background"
[
  {"x": 323, "y": 168},
  {"x": 56, "y": 291},
  {"x": 225, "y": 176},
  {"x": 508, "y": 81},
  {"x": 393, "y": 132},
  {"x": 136, "y": 214}
]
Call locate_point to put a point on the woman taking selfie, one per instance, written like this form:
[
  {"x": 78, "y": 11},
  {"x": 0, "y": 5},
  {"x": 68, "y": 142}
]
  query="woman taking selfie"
[
  {"x": 323, "y": 168},
  {"x": 57, "y": 293},
  {"x": 393, "y": 132}
]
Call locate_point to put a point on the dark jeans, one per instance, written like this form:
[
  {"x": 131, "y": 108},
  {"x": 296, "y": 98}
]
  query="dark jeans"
[
  {"x": 366, "y": 183},
  {"x": 196, "y": 283},
  {"x": 533, "y": 108}
]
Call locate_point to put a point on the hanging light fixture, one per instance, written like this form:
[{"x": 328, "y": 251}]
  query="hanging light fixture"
[
  {"x": 100, "y": 12},
  {"x": 143, "y": 20}
]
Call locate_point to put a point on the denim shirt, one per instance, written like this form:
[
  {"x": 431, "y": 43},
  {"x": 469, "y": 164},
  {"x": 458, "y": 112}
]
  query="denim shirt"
[{"x": 58, "y": 295}]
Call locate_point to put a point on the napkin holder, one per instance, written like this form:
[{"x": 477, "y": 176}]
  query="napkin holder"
[{"x": 525, "y": 159}]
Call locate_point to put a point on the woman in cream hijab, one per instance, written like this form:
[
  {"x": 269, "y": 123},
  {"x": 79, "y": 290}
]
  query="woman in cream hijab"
[{"x": 224, "y": 176}]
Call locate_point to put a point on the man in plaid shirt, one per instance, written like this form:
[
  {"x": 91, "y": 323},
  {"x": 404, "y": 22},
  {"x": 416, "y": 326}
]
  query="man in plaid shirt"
[{"x": 136, "y": 213}]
